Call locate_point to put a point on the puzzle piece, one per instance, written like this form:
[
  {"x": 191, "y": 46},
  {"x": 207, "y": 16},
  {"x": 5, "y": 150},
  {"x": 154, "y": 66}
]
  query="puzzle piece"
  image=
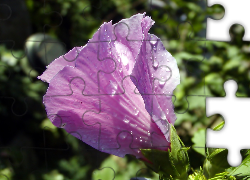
[
  {"x": 11, "y": 13},
  {"x": 87, "y": 10},
  {"x": 76, "y": 87},
  {"x": 19, "y": 154},
  {"x": 110, "y": 175},
  {"x": 142, "y": 174},
  {"x": 101, "y": 54},
  {"x": 90, "y": 117},
  {"x": 57, "y": 17},
  {"x": 219, "y": 30},
  {"x": 42, "y": 49},
  {"x": 229, "y": 108}
]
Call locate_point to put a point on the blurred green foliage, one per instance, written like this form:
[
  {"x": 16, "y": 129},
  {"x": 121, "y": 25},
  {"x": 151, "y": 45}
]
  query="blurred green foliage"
[{"x": 204, "y": 67}]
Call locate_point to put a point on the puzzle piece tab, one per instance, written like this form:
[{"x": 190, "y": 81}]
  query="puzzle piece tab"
[
  {"x": 235, "y": 111},
  {"x": 219, "y": 29}
]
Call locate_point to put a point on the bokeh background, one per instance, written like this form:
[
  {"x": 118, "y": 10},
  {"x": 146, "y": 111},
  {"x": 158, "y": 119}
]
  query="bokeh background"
[{"x": 32, "y": 148}]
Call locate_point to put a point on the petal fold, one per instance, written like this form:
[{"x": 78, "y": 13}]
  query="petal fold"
[
  {"x": 115, "y": 92},
  {"x": 116, "y": 124},
  {"x": 157, "y": 75}
]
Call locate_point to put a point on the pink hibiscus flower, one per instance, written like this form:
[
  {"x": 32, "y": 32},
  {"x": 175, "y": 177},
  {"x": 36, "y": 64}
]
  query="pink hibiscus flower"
[{"x": 115, "y": 93}]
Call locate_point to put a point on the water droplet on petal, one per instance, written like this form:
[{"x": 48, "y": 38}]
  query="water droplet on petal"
[
  {"x": 162, "y": 82},
  {"x": 126, "y": 120},
  {"x": 123, "y": 135},
  {"x": 111, "y": 88},
  {"x": 136, "y": 111},
  {"x": 155, "y": 64},
  {"x": 133, "y": 125},
  {"x": 163, "y": 116},
  {"x": 153, "y": 41},
  {"x": 63, "y": 125}
]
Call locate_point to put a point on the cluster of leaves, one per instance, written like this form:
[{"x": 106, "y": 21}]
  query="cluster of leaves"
[
  {"x": 215, "y": 165},
  {"x": 174, "y": 163}
]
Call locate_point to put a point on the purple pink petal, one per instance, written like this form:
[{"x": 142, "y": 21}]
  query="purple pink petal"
[{"x": 115, "y": 92}]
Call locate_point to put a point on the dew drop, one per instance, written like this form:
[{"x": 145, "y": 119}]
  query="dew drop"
[
  {"x": 133, "y": 125},
  {"x": 163, "y": 116},
  {"x": 123, "y": 135},
  {"x": 141, "y": 140},
  {"x": 111, "y": 88},
  {"x": 63, "y": 125},
  {"x": 153, "y": 41},
  {"x": 162, "y": 82},
  {"x": 126, "y": 120},
  {"x": 155, "y": 64},
  {"x": 136, "y": 111}
]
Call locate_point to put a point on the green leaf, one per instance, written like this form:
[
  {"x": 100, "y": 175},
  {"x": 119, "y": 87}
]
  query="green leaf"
[
  {"x": 216, "y": 165},
  {"x": 216, "y": 160},
  {"x": 199, "y": 140},
  {"x": 197, "y": 175},
  {"x": 171, "y": 164},
  {"x": 219, "y": 126},
  {"x": 223, "y": 175},
  {"x": 242, "y": 170}
]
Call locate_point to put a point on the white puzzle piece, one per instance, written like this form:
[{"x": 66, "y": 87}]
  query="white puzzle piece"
[
  {"x": 236, "y": 12},
  {"x": 235, "y": 111}
]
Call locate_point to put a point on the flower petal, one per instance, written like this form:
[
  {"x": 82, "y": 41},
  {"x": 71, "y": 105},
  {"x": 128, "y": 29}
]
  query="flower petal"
[
  {"x": 116, "y": 124},
  {"x": 157, "y": 75},
  {"x": 92, "y": 96},
  {"x": 58, "y": 64}
]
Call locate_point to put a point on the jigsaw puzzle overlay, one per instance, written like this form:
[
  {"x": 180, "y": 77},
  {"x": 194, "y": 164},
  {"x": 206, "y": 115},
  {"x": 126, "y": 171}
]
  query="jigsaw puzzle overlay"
[
  {"x": 219, "y": 30},
  {"x": 101, "y": 103},
  {"x": 218, "y": 139}
]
